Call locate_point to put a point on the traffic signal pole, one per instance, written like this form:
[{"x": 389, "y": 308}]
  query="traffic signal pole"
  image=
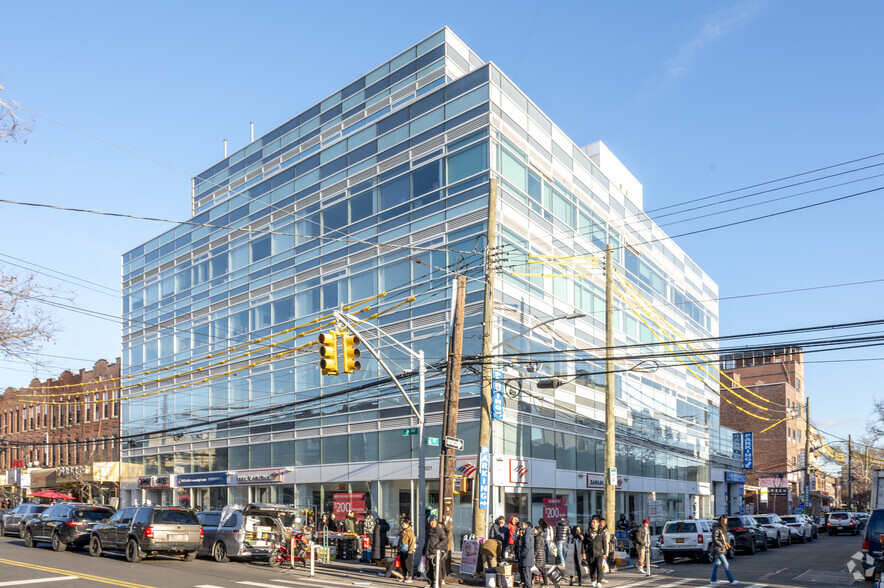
[
  {"x": 420, "y": 411},
  {"x": 806, "y": 455},
  {"x": 610, "y": 456},
  {"x": 452, "y": 399}
]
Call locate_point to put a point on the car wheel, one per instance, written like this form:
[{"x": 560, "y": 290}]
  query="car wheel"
[
  {"x": 708, "y": 557},
  {"x": 21, "y": 530},
  {"x": 764, "y": 544},
  {"x": 274, "y": 560},
  {"x": 190, "y": 556},
  {"x": 789, "y": 539},
  {"x": 133, "y": 552},
  {"x": 668, "y": 558},
  {"x": 731, "y": 553},
  {"x": 95, "y": 546},
  {"x": 219, "y": 552},
  {"x": 57, "y": 544},
  {"x": 29, "y": 539}
]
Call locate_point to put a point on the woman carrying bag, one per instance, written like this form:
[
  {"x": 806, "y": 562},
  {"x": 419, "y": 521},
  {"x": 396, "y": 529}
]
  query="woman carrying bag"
[{"x": 406, "y": 551}]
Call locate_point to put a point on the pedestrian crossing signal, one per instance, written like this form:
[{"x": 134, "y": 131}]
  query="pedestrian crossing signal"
[
  {"x": 328, "y": 353},
  {"x": 351, "y": 354}
]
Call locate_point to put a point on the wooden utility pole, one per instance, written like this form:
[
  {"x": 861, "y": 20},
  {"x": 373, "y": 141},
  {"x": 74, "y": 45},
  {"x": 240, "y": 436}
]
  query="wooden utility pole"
[
  {"x": 480, "y": 513},
  {"x": 452, "y": 397},
  {"x": 849, "y": 472},
  {"x": 610, "y": 456},
  {"x": 806, "y": 455}
]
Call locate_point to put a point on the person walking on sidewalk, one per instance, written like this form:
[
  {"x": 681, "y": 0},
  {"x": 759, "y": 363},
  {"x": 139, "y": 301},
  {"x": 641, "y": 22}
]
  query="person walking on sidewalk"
[
  {"x": 563, "y": 531},
  {"x": 719, "y": 549},
  {"x": 595, "y": 545},
  {"x": 435, "y": 546},
  {"x": 575, "y": 550},
  {"x": 642, "y": 543},
  {"x": 407, "y": 544},
  {"x": 540, "y": 548},
  {"x": 524, "y": 548}
]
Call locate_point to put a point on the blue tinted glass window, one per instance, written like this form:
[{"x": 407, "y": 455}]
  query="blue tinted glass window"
[
  {"x": 394, "y": 120},
  {"x": 284, "y": 310},
  {"x": 361, "y": 206},
  {"x": 334, "y": 217},
  {"x": 260, "y": 248},
  {"x": 467, "y": 162},
  {"x": 307, "y": 165},
  {"x": 394, "y": 192},
  {"x": 427, "y": 178}
]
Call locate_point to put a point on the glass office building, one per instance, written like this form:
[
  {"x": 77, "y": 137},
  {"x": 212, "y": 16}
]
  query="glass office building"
[{"x": 375, "y": 199}]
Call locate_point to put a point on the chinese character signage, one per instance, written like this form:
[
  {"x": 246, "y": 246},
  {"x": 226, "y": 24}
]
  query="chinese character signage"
[
  {"x": 748, "y": 458},
  {"x": 484, "y": 476}
]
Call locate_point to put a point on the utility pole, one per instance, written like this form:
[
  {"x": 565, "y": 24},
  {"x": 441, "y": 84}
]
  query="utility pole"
[
  {"x": 850, "y": 472},
  {"x": 806, "y": 455},
  {"x": 452, "y": 397},
  {"x": 610, "y": 458},
  {"x": 866, "y": 471},
  {"x": 480, "y": 513}
]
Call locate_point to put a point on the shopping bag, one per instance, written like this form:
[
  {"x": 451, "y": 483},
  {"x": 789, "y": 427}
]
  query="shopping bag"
[
  {"x": 570, "y": 567},
  {"x": 397, "y": 563},
  {"x": 422, "y": 566},
  {"x": 605, "y": 566},
  {"x": 553, "y": 550}
]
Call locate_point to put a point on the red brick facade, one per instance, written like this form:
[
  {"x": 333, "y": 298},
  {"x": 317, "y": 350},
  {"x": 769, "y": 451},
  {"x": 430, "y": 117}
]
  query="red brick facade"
[
  {"x": 85, "y": 429},
  {"x": 777, "y": 376}
]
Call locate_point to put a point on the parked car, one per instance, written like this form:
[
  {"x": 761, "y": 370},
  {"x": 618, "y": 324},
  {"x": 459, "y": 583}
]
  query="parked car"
[
  {"x": 841, "y": 522},
  {"x": 14, "y": 521},
  {"x": 813, "y": 524},
  {"x": 871, "y": 546},
  {"x": 69, "y": 523},
  {"x": 148, "y": 530},
  {"x": 861, "y": 518},
  {"x": 748, "y": 534},
  {"x": 691, "y": 538},
  {"x": 800, "y": 527},
  {"x": 778, "y": 534},
  {"x": 232, "y": 532}
]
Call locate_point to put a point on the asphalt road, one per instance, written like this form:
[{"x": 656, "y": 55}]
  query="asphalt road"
[{"x": 820, "y": 564}]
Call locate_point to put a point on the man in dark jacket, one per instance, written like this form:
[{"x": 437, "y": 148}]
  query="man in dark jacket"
[
  {"x": 435, "y": 546},
  {"x": 379, "y": 539},
  {"x": 563, "y": 530},
  {"x": 642, "y": 543},
  {"x": 500, "y": 531},
  {"x": 525, "y": 553},
  {"x": 595, "y": 545}
]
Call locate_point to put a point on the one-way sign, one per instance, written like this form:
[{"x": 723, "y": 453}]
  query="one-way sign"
[{"x": 454, "y": 443}]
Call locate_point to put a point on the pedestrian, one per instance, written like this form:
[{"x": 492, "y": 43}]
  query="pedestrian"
[
  {"x": 489, "y": 553},
  {"x": 435, "y": 546},
  {"x": 540, "y": 548},
  {"x": 642, "y": 543},
  {"x": 514, "y": 529},
  {"x": 563, "y": 531},
  {"x": 612, "y": 547},
  {"x": 720, "y": 547},
  {"x": 349, "y": 526},
  {"x": 595, "y": 545},
  {"x": 379, "y": 539},
  {"x": 500, "y": 531},
  {"x": 575, "y": 551},
  {"x": 622, "y": 524},
  {"x": 326, "y": 524},
  {"x": 407, "y": 544},
  {"x": 525, "y": 553}
]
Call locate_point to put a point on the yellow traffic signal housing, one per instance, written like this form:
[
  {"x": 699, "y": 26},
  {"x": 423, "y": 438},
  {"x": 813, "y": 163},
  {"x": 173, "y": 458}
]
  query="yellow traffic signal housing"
[
  {"x": 349, "y": 344},
  {"x": 328, "y": 353}
]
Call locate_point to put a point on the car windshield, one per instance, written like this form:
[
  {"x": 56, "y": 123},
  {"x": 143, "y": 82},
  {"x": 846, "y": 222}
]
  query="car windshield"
[
  {"x": 94, "y": 514},
  {"x": 174, "y": 517},
  {"x": 210, "y": 519},
  {"x": 680, "y": 527},
  {"x": 763, "y": 520},
  {"x": 735, "y": 522},
  {"x": 789, "y": 519}
]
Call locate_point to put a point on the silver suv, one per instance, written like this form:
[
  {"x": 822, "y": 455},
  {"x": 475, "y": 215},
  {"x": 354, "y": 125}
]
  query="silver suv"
[
  {"x": 148, "y": 530},
  {"x": 841, "y": 522}
]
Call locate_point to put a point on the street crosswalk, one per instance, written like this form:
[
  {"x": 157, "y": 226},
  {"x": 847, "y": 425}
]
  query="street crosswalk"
[{"x": 653, "y": 582}]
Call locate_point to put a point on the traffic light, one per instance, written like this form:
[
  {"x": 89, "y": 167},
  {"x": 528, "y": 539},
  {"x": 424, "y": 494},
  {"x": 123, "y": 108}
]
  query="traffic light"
[
  {"x": 351, "y": 352},
  {"x": 463, "y": 485},
  {"x": 328, "y": 353}
]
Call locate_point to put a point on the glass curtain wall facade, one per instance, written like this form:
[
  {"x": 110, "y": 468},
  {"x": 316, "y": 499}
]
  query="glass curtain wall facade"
[{"x": 375, "y": 199}]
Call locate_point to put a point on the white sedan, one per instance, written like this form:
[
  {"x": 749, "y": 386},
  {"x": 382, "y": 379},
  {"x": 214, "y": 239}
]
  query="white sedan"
[
  {"x": 778, "y": 534},
  {"x": 800, "y": 527}
]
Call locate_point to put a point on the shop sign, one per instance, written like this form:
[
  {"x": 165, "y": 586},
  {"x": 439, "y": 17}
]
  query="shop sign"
[
  {"x": 748, "y": 452},
  {"x": 518, "y": 471},
  {"x": 208, "y": 479},
  {"x": 469, "y": 556},
  {"x": 17, "y": 463},
  {"x": 655, "y": 510},
  {"x": 269, "y": 476},
  {"x": 738, "y": 477},
  {"x": 484, "y": 475},
  {"x": 554, "y": 509},
  {"x": 25, "y": 480},
  {"x": 106, "y": 471},
  {"x": 344, "y": 502},
  {"x": 597, "y": 481},
  {"x": 465, "y": 467},
  {"x": 773, "y": 482},
  {"x": 704, "y": 488},
  {"x": 154, "y": 482},
  {"x": 777, "y": 491}
]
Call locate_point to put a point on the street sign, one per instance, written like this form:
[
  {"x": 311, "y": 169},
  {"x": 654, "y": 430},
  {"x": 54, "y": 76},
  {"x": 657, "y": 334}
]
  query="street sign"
[
  {"x": 655, "y": 510},
  {"x": 748, "y": 449},
  {"x": 484, "y": 475},
  {"x": 612, "y": 476},
  {"x": 432, "y": 441},
  {"x": 497, "y": 406},
  {"x": 454, "y": 443},
  {"x": 411, "y": 431}
]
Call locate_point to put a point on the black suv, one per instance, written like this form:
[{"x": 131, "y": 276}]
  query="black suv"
[
  {"x": 140, "y": 531},
  {"x": 15, "y": 519},
  {"x": 65, "y": 524},
  {"x": 748, "y": 534}
]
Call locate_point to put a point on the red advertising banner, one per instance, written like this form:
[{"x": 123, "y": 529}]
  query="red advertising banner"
[
  {"x": 344, "y": 502},
  {"x": 554, "y": 509}
]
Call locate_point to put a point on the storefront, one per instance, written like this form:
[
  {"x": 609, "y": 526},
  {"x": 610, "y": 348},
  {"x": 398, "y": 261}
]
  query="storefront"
[
  {"x": 262, "y": 485},
  {"x": 728, "y": 489},
  {"x": 206, "y": 491},
  {"x": 154, "y": 490}
]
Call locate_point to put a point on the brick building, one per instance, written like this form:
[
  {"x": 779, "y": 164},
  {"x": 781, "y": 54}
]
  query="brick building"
[
  {"x": 60, "y": 441},
  {"x": 777, "y": 376}
]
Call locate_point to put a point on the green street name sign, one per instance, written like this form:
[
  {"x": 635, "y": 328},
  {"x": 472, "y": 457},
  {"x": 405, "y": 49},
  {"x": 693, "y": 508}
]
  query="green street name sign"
[
  {"x": 411, "y": 431},
  {"x": 431, "y": 440}
]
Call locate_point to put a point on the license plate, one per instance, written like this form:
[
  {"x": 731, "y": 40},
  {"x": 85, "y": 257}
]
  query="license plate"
[
  {"x": 177, "y": 537},
  {"x": 679, "y": 540}
]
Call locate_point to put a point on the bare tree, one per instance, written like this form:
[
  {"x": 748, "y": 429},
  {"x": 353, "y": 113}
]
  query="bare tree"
[
  {"x": 24, "y": 322},
  {"x": 12, "y": 126}
]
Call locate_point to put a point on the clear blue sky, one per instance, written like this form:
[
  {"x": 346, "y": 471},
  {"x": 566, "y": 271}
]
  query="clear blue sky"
[{"x": 696, "y": 98}]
